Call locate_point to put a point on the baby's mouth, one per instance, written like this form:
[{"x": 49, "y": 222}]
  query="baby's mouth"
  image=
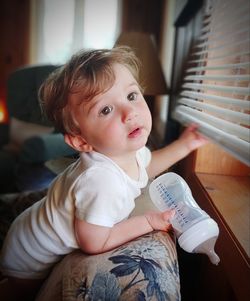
[{"x": 135, "y": 133}]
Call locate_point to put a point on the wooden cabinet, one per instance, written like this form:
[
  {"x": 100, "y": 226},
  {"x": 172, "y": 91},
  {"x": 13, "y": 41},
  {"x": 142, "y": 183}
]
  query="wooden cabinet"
[{"x": 221, "y": 186}]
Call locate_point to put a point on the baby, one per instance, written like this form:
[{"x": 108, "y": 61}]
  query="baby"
[{"x": 95, "y": 100}]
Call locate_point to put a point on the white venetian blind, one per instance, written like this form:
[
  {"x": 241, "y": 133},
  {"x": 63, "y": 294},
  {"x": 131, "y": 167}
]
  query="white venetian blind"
[{"x": 216, "y": 89}]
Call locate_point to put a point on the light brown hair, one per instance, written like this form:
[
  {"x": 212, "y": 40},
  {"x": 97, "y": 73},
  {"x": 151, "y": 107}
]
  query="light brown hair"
[{"x": 87, "y": 72}]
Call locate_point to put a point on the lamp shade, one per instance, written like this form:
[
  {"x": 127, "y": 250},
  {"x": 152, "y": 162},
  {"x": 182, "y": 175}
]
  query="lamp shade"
[{"x": 151, "y": 74}]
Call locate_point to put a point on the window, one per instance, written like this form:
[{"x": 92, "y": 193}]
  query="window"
[
  {"x": 62, "y": 27},
  {"x": 100, "y": 23},
  {"x": 216, "y": 88},
  {"x": 215, "y": 94}
]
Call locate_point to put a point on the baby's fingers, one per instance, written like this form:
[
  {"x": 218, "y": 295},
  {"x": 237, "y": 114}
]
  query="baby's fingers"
[{"x": 167, "y": 215}]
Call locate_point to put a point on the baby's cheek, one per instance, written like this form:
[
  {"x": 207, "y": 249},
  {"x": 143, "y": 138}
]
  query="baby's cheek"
[
  {"x": 148, "y": 118},
  {"x": 115, "y": 131}
]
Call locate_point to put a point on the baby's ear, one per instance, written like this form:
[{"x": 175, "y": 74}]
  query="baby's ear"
[{"x": 78, "y": 143}]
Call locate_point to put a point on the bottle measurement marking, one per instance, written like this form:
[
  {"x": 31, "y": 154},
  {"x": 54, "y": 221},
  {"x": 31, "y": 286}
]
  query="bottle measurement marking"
[{"x": 169, "y": 200}]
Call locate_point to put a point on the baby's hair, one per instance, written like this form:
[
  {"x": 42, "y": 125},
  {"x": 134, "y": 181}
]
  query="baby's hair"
[{"x": 89, "y": 73}]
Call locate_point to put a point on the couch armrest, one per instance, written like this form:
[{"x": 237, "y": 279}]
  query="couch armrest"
[
  {"x": 145, "y": 268},
  {"x": 45, "y": 147}
]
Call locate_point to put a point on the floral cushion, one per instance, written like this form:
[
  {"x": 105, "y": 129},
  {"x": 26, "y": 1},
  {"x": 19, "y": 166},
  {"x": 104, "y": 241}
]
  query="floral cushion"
[{"x": 143, "y": 269}]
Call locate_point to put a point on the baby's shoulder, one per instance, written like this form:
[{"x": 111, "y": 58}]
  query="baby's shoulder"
[{"x": 101, "y": 175}]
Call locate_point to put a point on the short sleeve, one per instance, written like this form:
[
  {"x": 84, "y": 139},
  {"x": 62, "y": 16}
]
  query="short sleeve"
[{"x": 101, "y": 198}]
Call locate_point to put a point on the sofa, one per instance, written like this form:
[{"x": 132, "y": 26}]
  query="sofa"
[
  {"x": 29, "y": 139},
  {"x": 143, "y": 269}
]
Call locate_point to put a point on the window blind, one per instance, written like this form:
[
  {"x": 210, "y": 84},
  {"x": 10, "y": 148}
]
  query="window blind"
[{"x": 215, "y": 93}]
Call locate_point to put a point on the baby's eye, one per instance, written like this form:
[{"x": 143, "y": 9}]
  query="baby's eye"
[
  {"x": 132, "y": 96},
  {"x": 106, "y": 110}
]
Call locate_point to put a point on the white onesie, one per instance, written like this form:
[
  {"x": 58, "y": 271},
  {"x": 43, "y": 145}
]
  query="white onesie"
[{"x": 94, "y": 189}]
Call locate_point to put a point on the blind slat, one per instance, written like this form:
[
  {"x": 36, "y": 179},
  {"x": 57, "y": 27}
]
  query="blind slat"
[
  {"x": 238, "y": 103},
  {"x": 226, "y": 55},
  {"x": 216, "y": 46},
  {"x": 238, "y": 77},
  {"x": 219, "y": 67},
  {"x": 222, "y": 112},
  {"x": 230, "y": 128},
  {"x": 235, "y": 89},
  {"x": 234, "y": 145},
  {"x": 213, "y": 38}
]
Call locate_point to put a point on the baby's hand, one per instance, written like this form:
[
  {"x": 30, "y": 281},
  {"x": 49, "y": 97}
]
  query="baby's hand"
[
  {"x": 159, "y": 220},
  {"x": 192, "y": 138}
]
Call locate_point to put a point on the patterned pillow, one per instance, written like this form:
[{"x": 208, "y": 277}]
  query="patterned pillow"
[{"x": 143, "y": 269}]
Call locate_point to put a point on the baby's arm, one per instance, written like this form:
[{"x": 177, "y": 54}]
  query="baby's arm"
[
  {"x": 94, "y": 239},
  {"x": 163, "y": 158}
]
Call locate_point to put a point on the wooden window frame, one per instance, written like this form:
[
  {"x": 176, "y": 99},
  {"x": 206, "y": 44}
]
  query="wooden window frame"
[{"x": 230, "y": 279}]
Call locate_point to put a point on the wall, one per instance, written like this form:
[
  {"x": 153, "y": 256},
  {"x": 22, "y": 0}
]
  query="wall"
[{"x": 14, "y": 36}]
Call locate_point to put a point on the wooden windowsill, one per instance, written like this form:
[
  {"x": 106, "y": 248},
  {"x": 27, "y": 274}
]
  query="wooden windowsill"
[
  {"x": 226, "y": 200},
  {"x": 231, "y": 197}
]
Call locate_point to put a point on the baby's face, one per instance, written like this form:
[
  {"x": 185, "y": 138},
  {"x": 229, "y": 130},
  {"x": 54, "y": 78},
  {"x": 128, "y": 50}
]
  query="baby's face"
[{"x": 118, "y": 121}]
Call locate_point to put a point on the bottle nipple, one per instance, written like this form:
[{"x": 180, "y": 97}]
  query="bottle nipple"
[{"x": 207, "y": 247}]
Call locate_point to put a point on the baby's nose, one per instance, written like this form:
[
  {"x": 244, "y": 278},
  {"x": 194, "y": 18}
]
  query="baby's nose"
[{"x": 129, "y": 113}]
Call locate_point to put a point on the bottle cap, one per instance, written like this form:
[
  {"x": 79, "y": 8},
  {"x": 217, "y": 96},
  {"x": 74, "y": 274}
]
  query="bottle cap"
[{"x": 198, "y": 234}]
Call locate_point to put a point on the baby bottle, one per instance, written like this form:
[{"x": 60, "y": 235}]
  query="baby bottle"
[{"x": 196, "y": 231}]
